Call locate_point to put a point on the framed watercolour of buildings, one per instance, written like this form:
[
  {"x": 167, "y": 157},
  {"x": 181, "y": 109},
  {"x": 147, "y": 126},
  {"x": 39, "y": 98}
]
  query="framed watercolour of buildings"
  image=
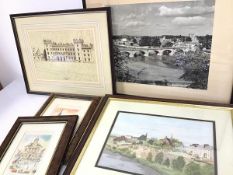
[
  {"x": 82, "y": 106},
  {"x": 65, "y": 51},
  {"x": 172, "y": 49},
  {"x": 36, "y": 145},
  {"x": 133, "y": 135}
]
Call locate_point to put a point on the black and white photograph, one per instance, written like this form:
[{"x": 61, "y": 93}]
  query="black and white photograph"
[{"x": 164, "y": 43}]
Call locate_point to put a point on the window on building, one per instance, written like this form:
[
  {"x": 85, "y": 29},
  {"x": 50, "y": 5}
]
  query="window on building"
[{"x": 205, "y": 155}]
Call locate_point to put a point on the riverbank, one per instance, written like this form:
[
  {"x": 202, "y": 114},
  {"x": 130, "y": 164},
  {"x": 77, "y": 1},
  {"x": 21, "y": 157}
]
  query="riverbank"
[{"x": 118, "y": 162}]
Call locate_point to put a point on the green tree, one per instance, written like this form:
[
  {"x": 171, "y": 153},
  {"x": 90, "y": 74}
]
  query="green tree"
[
  {"x": 151, "y": 141},
  {"x": 167, "y": 162},
  {"x": 134, "y": 155},
  {"x": 159, "y": 158},
  {"x": 207, "y": 170},
  {"x": 178, "y": 163},
  {"x": 193, "y": 169},
  {"x": 149, "y": 157}
]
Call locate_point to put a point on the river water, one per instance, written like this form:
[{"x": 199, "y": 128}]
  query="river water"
[
  {"x": 121, "y": 163},
  {"x": 152, "y": 69}
]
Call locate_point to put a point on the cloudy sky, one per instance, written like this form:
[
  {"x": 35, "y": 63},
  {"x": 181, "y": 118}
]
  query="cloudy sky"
[
  {"x": 188, "y": 131},
  {"x": 167, "y": 18}
]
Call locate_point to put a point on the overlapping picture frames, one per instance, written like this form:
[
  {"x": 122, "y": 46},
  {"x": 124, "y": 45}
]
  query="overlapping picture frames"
[
  {"x": 60, "y": 105},
  {"x": 108, "y": 146},
  {"x": 70, "y": 52},
  {"x": 38, "y": 143}
]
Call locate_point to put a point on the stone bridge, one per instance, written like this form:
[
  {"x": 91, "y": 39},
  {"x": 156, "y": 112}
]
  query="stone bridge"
[
  {"x": 151, "y": 52},
  {"x": 147, "y": 51}
]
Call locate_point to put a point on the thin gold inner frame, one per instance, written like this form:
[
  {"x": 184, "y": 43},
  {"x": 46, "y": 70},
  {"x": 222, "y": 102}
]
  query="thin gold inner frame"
[{"x": 226, "y": 109}]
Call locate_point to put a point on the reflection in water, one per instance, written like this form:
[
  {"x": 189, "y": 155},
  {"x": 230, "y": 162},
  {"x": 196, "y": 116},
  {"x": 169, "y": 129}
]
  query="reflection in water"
[
  {"x": 118, "y": 162},
  {"x": 152, "y": 70}
]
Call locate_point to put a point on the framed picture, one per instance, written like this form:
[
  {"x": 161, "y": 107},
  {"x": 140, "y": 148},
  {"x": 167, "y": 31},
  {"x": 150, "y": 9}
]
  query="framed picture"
[
  {"x": 36, "y": 145},
  {"x": 141, "y": 136},
  {"x": 65, "y": 51},
  {"x": 172, "y": 49},
  {"x": 83, "y": 106}
]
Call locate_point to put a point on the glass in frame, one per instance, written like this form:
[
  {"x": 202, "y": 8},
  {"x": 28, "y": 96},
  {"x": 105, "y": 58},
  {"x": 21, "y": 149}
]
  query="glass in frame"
[
  {"x": 65, "y": 51},
  {"x": 145, "y": 136},
  {"x": 82, "y": 106},
  {"x": 172, "y": 49},
  {"x": 36, "y": 145}
]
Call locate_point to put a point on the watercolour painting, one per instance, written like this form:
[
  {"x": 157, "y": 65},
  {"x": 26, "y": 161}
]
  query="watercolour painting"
[
  {"x": 28, "y": 155},
  {"x": 58, "y": 111},
  {"x": 67, "y": 106},
  {"x": 144, "y": 144}
]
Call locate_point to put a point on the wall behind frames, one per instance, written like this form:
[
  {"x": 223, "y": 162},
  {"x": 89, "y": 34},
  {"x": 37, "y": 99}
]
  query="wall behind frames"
[{"x": 9, "y": 60}]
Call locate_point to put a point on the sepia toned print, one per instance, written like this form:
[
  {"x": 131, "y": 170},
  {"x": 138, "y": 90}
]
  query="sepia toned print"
[
  {"x": 146, "y": 144},
  {"x": 28, "y": 154},
  {"x": 64, "y": 55}
]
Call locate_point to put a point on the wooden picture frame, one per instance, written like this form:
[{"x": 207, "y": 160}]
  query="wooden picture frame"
[
  {"x": 222, "y": 118},
  {"x": 68, "y": 53},
  {"x": 40, "y": 142},
  {"x": 83, "y": 106},
  {"x": 143, "y": 33}
]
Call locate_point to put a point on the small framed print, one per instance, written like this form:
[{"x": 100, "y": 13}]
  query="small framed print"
[
  {"x": 65, "y": 52},
  {"x": 172, "y": 49},
  {"x": 141, "y": 136},
  {"x": 83, "y": 106},
  {"x": 36, "y": 145}
]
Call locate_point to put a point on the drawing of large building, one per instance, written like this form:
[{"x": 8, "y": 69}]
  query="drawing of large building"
[
  {"x": 69, "y": 52},
  {"x": 26, "y": 160},
  {"x": 202, "y": 152}
]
